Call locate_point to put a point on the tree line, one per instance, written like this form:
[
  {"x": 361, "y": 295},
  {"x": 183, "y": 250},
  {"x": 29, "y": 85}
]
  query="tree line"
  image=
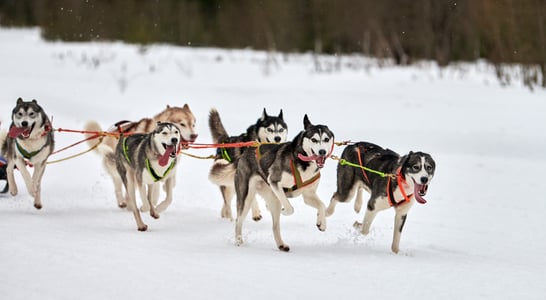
[{"x": 499, "y": 31}]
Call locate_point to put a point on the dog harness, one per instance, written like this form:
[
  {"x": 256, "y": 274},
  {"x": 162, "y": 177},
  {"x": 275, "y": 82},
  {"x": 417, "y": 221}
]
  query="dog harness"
[
  {"x": 298, "y": 183},
  {"x": 27, "y": 155},
  {"x": 390, "y": 193},
  {"x": 154, "y": 175},
  {"x": 360, "y": 163}
]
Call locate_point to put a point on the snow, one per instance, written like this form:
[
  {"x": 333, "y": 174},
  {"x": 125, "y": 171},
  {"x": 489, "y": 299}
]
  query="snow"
[{"x": 478, "y": 237}]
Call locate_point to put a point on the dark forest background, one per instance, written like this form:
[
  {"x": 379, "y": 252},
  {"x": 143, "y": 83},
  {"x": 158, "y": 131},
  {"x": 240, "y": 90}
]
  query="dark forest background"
[{"x": 500, "y": 31}]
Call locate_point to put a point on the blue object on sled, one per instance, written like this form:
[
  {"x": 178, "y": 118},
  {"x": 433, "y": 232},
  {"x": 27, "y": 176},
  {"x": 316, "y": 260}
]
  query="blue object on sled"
[{"x": 3, "y": 161}]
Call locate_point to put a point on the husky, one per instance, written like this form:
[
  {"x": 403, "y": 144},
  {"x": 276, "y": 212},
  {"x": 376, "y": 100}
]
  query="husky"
[
  {"x": 281, "y": 171},
  {"x": 180, "y": 116},
  {"x": 410, "y": 176},
  {"x": 145, "y": 160},
  {"x": 268, "y": 129},
  {"x": 29, "y": 140}
]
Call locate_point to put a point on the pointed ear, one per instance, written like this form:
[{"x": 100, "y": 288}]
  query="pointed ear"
[
  {"x": 34, "y": 101},
  {"x": 280, "y": 115},
  {"x": 186, "y": 106},
  {"x": 19, "y": 101},
  {"x": 264, "y": 115},
  {"x": 168, "y": 106},
  {"x": 306, "y": 122}
]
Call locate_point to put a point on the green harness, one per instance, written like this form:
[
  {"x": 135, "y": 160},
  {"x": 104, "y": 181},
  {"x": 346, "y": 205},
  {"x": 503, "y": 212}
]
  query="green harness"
[
  {"x": 27, "y": 155},
  {"x": 149, "y": 168}
]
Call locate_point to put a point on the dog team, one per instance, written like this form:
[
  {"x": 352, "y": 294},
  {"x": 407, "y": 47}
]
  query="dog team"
[{"x": 142, "y": 157}]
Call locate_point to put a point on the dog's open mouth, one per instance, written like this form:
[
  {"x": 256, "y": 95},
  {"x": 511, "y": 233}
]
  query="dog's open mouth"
[
  {"x": 319, "y": 159},
  {"x": 420, "y": 190},
  {"x": 170, "y": 152},
  {"x": 22, "y": 132}
]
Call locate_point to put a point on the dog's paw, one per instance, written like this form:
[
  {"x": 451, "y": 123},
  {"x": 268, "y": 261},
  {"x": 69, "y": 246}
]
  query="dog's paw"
[
  {"x": 144, "y": 227},
  {"x": 257, "y": 218},
  {"x": 122, "y": 205},
  {"x": 239, "y": 241},
  {"x": 38, "y": 205},
  {"x": 154, "y": 215},
  {"x": 321, "y": 225},
  {"x": 395, "y": 249},
  {"x": 284, "y": 248},
  {"x": 226, "y": 213},
  {"x": 287, "y": 211},
  {"x": 357, "y": 225}
]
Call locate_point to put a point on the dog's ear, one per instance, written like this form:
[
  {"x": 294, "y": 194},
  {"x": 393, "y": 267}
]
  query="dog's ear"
[
  {"x": 34, "y": 101},
  {"x": 168, "y": 106},
  {"x": 280, "y": 115},
  {"x": 186, "y": 106},
  {"x": 306, "y": 122},
  {"x": 264, "y": 115},
  {"x": 19, "y": 101}
]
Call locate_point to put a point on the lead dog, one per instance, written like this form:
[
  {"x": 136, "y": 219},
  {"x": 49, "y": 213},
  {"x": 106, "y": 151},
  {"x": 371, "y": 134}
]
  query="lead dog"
[
  {"x": 181, "y": 116},
  {"x": 282, "y": 171},
  {"x": 412, "y": 174},
  {"x": 30, "y": 139},
  {"x": 147, "y": 159},
  {"x": 268, "y": 129}
]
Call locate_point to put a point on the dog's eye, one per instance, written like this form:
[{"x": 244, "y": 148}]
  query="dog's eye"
[
  {"x": 416, "y": 168},
  {"x": 326, "y": 140},
  {"x": 281, "y": 130},
  {"x": 314, "y": 140},
  {"x": 19, "y": 114},
  {"x": 428, "y": 168},
  {"x": 182, "y": 124},
  {"x": 31, "y": 114},
  {"x": 270, "y": 130},
  {"x": 164, "y": 133}
]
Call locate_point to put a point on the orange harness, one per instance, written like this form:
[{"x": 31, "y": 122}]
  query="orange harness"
[
  {"x": 390, "y": 194},
  {"x": 298, "y": 183}
]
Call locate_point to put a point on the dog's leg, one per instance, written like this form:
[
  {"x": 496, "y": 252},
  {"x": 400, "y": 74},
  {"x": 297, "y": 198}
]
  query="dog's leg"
[
  {"x": 11, "y": 178},
  {"x": 109, "y": 166},
  {"x": 153, "y": 190},
  {"x": 39, "y": 170},
  {"x": 227, "y": 194},
  {"x": 399, "y": 222},
  {"x": 343, "y": 194},
  {"x": 145, "y": 192},
  {"x": 21, "y": 166},
  {"x": 287, "y": 208},
  {"x": 168, "y": 186},
  {"x": 310, "y": 198},
  {"x": 256, "y": 214},
  {"x": 241, "y": 216},
  {"x": 246, "y": 192},
  {"x": 375, "y": 205},
  {"x": 131, "y": 202},
  {"x": 358, "y": 201},
  {"x": 274, "y": 206}
]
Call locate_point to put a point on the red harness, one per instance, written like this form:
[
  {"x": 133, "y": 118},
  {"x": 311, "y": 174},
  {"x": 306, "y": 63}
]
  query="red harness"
[{"x": 390, "y": 194}]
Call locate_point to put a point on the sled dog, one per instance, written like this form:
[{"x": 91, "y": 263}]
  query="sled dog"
[
  {"x": 180, "y": 116},
  {"x": 268, "y": 129},
  {"x": 29, "y": 140},
  {"x": 146, "y": 160},
  {"x": 411, "y": 175},
  {"x": 281, "y": 171}
]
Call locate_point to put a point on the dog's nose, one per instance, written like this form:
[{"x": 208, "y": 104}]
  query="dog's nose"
[
  {"x": 277, "y": 139},
  {"x": 424, "y": 180},
  {"x": 24, "y": 123},
  {"x": 193, "y": 137},
  {"x": 174, "y": 141},
  {"x": 322, "y": 152}
]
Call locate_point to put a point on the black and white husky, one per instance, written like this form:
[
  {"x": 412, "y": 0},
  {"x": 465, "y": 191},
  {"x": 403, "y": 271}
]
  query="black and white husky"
[
  {"x": 408, "y": 182},
  {"x": 29, "y": 141},
  {"x": 268, "y": 129},
  {"x": 145, "y": 160},
  {"x": 281, "y": 171}
]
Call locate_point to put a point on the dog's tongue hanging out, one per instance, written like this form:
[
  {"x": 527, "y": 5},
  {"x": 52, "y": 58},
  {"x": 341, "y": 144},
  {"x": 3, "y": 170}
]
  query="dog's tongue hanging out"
[
  {"x": 170, "y": 151},
  {"x": 15, "y": 132},
  {"x": 419, "y": 191}
]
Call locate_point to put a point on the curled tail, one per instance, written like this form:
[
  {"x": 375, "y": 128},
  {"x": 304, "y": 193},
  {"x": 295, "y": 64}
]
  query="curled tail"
[
  {"x": 107, "y": 144},
  {"x": 217, "y": 130}
]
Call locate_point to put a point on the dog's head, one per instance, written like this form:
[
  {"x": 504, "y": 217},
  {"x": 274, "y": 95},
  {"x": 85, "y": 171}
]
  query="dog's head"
[
  {"x": 26, "y": 117},
  {"x": 317, "y": 142},
  {"x": 183, "y": 118},
  {"x": 418, "y": 167},
  {"x": 272, "y": 129},
  {"x": 166, "y": 137}
]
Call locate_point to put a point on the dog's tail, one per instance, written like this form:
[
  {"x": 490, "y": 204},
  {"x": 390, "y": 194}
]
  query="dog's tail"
[
  {"x": 222, "y": 173},
  {"x": 106, "y": 144},
  {"x": 217, "y": 130}
]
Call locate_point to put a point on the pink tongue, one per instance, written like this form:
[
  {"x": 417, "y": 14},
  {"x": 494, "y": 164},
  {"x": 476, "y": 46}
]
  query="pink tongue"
[
  {"x": 416, "y": 191},
  {"x": 14, "y": 132},
  {"x": 164, "y": 159}
]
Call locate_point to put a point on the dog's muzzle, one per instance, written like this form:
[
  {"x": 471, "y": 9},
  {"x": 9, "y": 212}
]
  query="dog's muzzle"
[{"x": 420, "y": 190}]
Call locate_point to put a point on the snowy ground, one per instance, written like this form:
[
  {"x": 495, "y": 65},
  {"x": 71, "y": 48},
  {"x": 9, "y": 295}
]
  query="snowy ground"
[{"x": 478, "y": 237}]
